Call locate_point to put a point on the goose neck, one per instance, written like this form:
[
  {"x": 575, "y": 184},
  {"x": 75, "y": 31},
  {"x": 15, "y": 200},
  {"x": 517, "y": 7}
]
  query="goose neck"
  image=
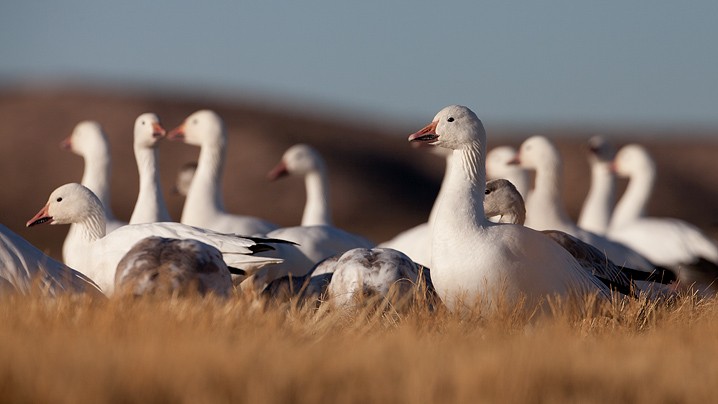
[
  {"x": 635, "y": 199},
  {"x": 205, "y": 191},
  {"x": 317, "y": 210}
]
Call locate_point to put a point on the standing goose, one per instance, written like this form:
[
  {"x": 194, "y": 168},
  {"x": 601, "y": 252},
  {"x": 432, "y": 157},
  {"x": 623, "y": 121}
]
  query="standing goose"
[
  {"x": 150, "y": 206},
  {"x": 89, "y": 141},
  {"x": 303, "y": 160},
  {"x": 473, "y": 258},
  {"x": 101, "y": 252},
  {"x": 545, "y": 209},
  {"x": 597, "y": 208},
  {"x": 669, "y": 242},
  {"x": 203, "y": 206},
  {"x": 318, "y": 239}
]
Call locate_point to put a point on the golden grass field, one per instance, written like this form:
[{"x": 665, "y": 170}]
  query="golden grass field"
[{"x": 73, "y": 349}]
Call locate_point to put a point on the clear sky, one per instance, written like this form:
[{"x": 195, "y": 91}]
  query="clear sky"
[{"x": 532, "y": 62}]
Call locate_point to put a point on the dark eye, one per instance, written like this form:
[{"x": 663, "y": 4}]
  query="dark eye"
[
  {"x": 450, "y": 119},
  {"x": 143, "y": 122},
  {"x": 488, "y": 191},
  {"x": 194, "y": 121},
  {"x": 59, "y": 199}
]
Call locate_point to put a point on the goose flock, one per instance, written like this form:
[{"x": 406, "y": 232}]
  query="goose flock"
[{"x": 505, "y": 241}]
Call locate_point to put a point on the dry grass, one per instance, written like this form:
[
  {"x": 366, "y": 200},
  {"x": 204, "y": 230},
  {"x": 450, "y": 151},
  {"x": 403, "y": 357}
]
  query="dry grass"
[{"x": 73, "y": 349}]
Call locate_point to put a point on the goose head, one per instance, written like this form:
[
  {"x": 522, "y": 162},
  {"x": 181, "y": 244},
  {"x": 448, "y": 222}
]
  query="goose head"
[
  {"x": 70, "y": 203},
  {"x": 501, "y": 197},
  {"x": 600, "y": 150},
  {"x": 499, "y": 160},
  {"x": 454, "y": 127},
  {"x": 201, "y": 128},
  {"x": 535, "y": 152},
  {"x": 632, "y": 159},
  {"x": 148, "y": 130},
  {"x": 87, "y": 139},
  {"x": 299, "y": 159}
]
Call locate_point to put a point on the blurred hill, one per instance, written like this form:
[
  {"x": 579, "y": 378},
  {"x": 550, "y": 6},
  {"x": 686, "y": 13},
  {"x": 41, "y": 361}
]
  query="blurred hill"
[{"x": 380, "y": 185}]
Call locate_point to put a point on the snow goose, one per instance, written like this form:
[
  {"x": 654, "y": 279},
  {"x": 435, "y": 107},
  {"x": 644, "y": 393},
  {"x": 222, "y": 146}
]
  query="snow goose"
[
  {"x": 598, "y": 206},
  {"x": 150, "y": 206},
  {"x": 22, "y": 265},
  {"x": 320, "y": 239},
  {"x": 545, "y": 209},
  {"x": 203, "y": 206},
  {"x": 160, "y": 266},
  {"x": 89, "y": 141},
  {"x": 304, "y": 160},
  {"x": 101, "y": 252},
  {"x": 503, "y": 199},
  {"x": 499, "y": 165},
  {"x": 474, "y": 259},
  {"x": 365, "y": 273},
  {"x": 669, "y": 242},
  {"x": 358, "y": 273}
]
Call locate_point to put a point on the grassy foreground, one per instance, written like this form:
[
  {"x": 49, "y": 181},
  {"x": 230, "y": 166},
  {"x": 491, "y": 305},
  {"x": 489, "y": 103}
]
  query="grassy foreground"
[{"x": 72, "y": 349}]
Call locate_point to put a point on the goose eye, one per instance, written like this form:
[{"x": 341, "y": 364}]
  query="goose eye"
[
  {"x": 59, "y": 199},
  {"x": 487, "y": 191},
  {"x": 194, "y": 121},
  {"x": 143, "y": 122},
  {"x": 450, "y": 119}
]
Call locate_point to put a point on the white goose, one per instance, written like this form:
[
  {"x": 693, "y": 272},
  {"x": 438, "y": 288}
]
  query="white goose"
[
  {"x": 473, "y": 258},
  {"x": 22, "y": 267},
  {"x": 668, "y": 242},
  {"x": 304, "y": 160},
  {"x": 499, "y": 165},
  {"x": 545, "y": 209},
  {"x": 101, "y": 252},
  {"x": 203, "y": 206},
  {"x": 597, "y": 207},
  {"x": 317, "y": 241},
  {"x": 150, "y": 206},
  {"x": 89, "y": 141},
  {"x": 158, "y": 266}
]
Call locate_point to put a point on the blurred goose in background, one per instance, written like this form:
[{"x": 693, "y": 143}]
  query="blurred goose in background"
[
  {"x": 598, "y": 206},
  {"x": 99, "y": 253},
  {"x": 503, "y": 200},
  {"x": 303, "y": 160},
  {"x": 475, "y": 259},
  {"x": 545, "y": 209},
  {"x": 316, "y": 241},
  {"x": 89, "y": 141},
  {"x": 203, "y": 206},
  {"x": 23, "y": 267},
  {"x": 669, "y": 242},
  {"x": 150, "y": 206},
  {"x": 158, "y": 266},
  {"x": 499, "y": 164}
]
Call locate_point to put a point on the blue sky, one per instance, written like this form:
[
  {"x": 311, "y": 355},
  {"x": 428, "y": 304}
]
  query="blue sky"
[{"x": 644, "y": 63}]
